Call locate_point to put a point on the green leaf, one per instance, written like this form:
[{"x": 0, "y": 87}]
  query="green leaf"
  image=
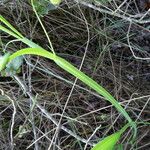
[
  {"x": 74, "y": 71},
  {"x": 43, "y": 7},
  {"x": 91, "y": 83},
  {"x": 2, "y": 19},
  {"x": 109, "y": 142},
  {"x": 13, "y": 67},
  {"x": 55, "y": 2},
  {"x": 3, "y": 61}
]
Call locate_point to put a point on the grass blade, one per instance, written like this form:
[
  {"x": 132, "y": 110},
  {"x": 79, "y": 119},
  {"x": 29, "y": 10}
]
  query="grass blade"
[
  {"x": 109, "y": 142},
  {"x": 33, "y": 51},
  {"x": 2, "y": 19},
  {"x": 9, "y": 32},
  {"x": 91, "y": 83},
  {"x": 74, "y": 71}
]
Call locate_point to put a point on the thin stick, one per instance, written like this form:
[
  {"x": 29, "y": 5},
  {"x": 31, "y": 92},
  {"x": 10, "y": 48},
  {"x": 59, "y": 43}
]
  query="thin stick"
[
  {"x": 112, "y": 13},
  {"x": 49, "y": 116},
  {"x": 67, "y": 101},
  {"x": 12, "y": 120}
]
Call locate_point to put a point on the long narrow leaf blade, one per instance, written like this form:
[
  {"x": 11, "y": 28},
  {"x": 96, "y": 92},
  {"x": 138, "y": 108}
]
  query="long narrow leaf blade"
[
  {"x": 9, "y": 32},
  {"x": 2, "y": 19},
  {"x": 109, "y": 142},
  {"x": 91, "y": 83},
  {"x": 74, "y": 71},
  {"x": 33, "y": 51}
]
